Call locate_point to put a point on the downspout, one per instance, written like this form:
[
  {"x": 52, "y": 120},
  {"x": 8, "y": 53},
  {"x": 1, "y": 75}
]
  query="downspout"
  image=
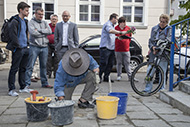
[
  {"x": 169, "y": 7},
  {"x": 5, "y": 9}
]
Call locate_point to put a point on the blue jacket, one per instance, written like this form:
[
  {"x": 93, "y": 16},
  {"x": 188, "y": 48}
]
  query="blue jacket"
[
  {"x": 62, "y": 78},
  {"x": 15, "y": 28}
]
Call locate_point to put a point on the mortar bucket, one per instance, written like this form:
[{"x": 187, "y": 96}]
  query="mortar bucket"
[
  {"x": 107, "y": 107},
  {"x": 37, "y": 110},
  {"x": 62, "y": 112},
  {"x": 122, "y": 105}
]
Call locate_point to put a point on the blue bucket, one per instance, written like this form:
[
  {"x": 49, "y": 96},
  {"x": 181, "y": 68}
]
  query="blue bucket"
[{"x": 122, "y": 105}]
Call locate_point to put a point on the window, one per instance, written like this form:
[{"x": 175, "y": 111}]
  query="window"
[
  {"x": 134, "y": 11},
  {"x": 47, "y": 5},
  {"x": 89, "y": 11},
  {"x": 181, "y": 3}
]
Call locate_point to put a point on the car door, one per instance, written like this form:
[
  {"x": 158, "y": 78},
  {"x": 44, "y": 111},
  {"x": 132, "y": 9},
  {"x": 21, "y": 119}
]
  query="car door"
[{"x": 91, "y": 46}]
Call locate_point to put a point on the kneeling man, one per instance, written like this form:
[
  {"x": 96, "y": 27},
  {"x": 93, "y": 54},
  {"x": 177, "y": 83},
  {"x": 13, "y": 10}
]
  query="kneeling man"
[{"x": 76, "y": 67}]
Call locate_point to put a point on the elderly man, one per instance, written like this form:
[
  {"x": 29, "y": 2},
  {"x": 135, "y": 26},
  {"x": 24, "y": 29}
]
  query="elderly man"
[
  {"x": 76, "y": 67},
  {"x": 66, "y": 35},
  {"x": 52, "y": 55},
  {"x": 38, "y": 29}
]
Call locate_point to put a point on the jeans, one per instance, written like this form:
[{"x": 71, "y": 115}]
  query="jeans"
[
  {"x": 106, "y": 62},
  {"x": 164, "y": 66},
  {"x": 52, "y": 61},
  {"x": 42, "y": 53},
  {"x": 19, "y": 63}
]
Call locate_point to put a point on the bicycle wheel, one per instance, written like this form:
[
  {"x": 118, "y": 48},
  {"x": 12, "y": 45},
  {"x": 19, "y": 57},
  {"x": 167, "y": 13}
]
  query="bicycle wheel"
[{"x": 139, "y": 79}]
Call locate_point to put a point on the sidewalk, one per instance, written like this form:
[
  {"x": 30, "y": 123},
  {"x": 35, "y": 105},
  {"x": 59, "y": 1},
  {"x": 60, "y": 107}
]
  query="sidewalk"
[{"x": 141, "y": 111}]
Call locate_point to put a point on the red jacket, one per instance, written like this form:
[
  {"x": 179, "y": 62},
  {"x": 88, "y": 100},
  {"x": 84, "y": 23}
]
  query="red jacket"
[
  {"x": 122, "y": 45},
  {"x": 51, "y": 36}
]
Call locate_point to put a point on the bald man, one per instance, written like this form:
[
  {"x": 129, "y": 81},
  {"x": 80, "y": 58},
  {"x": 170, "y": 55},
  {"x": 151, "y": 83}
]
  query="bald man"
[{"x": 65, "y": 36}]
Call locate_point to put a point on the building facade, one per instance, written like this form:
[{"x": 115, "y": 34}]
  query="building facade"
[{"x": 90, "y": 15}]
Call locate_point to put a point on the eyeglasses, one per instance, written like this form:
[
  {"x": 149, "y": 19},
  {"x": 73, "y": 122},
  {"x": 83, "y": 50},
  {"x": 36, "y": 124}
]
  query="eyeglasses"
[
  {"x": 163, "y": 22},
  {"x": 40, "y": 14},
  {"x": 65, "y": 15}
]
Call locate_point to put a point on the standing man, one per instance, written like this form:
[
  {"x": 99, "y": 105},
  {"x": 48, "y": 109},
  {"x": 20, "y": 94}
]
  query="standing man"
[
  {"x": 65, "y": 36},
  {"x": 76, "y": 67},
  {"x": 52, "y": 56},
  {"x": 18, "y": 34},
  {"x": 38, "y": 29},
  {"x": 107, "y": 46}
]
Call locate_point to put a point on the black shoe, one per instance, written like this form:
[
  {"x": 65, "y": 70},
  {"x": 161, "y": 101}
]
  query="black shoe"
[
  {"x": 85, "y": 104},
  {"x": 108, "y": 81},
  {"x": 155, "y": 81}
]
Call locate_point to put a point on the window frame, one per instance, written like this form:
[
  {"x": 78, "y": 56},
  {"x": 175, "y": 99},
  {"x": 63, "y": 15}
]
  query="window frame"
[
  {"x": 134, "y": 4},
  {"x": 89, "y": 3},
  {"x": 43, "y": 2}
]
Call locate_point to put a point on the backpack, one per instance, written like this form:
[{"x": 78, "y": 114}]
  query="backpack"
[{"x": 5, "y": 31}]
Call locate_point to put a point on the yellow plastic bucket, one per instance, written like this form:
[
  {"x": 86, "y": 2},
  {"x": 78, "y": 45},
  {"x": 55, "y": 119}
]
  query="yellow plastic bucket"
[{"x": 107, "y": 107}]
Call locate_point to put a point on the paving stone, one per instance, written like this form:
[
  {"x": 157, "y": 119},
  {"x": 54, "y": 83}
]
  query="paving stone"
[
  {"x": 116, "y": 126},
  {"x": 83, "y": 123},
  {"x": 137, "y": 108},
  {"x": 119, "y": 120},
  {"x": 19, "y": 103},
  {"x": 150, "y": 123},
  {"x": 157, "y": 105},
  {"x": 176, "y": 118},
  {"x": 2, "y": 109},
  {"x": 180, "y": 124},
  {"x": 133, "y": 101},
  {"x": 46, "y": 123},
  {"x": 142, "y": 115},
  {"x": 12, "y": 125},
  {"x": 15, "y": 111},
  {"x": 13, "y": 119},
  {"x": 166, "y": 110},
  {"x": 6, "y": 100}
]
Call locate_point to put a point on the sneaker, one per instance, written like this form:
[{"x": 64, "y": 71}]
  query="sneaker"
[
  {"x": 25, "y": 90},
  {"x": 105, "y": 80},
  {"x": 48, "y": 86},
  {"x": 85, "y": 104},
  {"x": 118, "y": 78},
  {"x": 13, "y": 93},
  {"x": 135, "y": 79}
]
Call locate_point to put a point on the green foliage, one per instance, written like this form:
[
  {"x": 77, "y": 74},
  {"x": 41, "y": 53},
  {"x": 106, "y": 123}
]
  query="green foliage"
[{"x": 186, "y": 6}]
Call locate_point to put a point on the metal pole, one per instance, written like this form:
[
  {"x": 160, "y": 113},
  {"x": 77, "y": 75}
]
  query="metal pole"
[{"x": 172, "y": 59}]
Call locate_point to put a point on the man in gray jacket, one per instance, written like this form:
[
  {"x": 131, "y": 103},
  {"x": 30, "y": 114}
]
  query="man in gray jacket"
[
  {"x": 65, "y": 36},
  {"x": 38, "y": 29}
]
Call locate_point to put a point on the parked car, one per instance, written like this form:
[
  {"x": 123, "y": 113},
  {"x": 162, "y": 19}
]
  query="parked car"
[
  {"x": 91, "y": 45},
  {"x": 184, "y": 62},
  {"x": 2, "y": 56}
]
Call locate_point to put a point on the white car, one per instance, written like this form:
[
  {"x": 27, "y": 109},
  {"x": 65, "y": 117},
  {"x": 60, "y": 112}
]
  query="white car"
[{"x": 184, "y": 61}]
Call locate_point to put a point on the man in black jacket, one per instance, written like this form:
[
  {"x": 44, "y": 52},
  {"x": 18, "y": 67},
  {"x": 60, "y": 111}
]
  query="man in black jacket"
[{"x": 18, "y": 44}]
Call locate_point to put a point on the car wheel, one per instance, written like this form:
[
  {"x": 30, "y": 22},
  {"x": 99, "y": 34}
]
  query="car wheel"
[{"x": 133, "y": 64}]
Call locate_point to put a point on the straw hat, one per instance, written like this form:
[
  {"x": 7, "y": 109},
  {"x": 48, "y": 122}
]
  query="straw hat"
[{"x": 75, "y": 61}]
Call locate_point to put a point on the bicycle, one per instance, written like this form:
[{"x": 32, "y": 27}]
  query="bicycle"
[{"x": 163, "y": 51}]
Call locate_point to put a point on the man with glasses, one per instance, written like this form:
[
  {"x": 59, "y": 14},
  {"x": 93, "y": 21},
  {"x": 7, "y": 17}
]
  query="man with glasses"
[
  {"x": 38, "y": 29},
  {"x": 65, "y": 36},
  {"x": 52, "y": 55}
]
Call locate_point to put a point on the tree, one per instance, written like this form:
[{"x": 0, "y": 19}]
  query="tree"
[{"x": 186, "y": 6}]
